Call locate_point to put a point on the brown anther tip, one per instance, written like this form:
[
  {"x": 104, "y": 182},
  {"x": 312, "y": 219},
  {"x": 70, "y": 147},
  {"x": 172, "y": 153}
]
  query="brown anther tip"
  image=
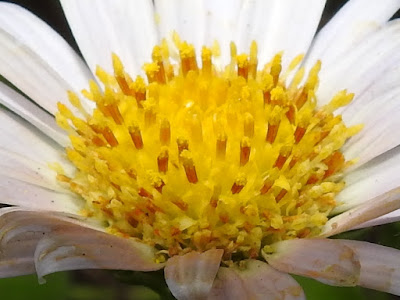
[
  {"x": 165, "y": 132},
  {"x": 221, "y": 147},
  {"x": 272, "y": 133},
  {"x": 244, "y": 152},
  {"x": 159, "y": 186},
  {"x": 266, "y": 186},
  {"x": 248, "y": 125},
  {"x": 281, "y": 194},
  {"x": 299, "y": 134},
  {"x": 183, "y": 144},
  {"x": 144, "y": 193},
  {"x": 237, "y": 188},
  {"x": 109, "y": 136},
  {"x": 136, "y": 136},
  {"x": 181, "y": 204},
  {"x": 283, "y": 156},
  {"x": 191, "y": 174},
  {"x": 162, "y": 161},
  {"x": 113, "y": 112}
]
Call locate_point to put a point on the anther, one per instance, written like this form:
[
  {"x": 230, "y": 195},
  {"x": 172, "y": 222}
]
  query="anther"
[
  {"x": 248, "y": 125},
  {"x": 276, "y": 68},
  {"x": 188, "y": 164},
  {"x": 196, "y": 128},
  {"x": 206, "y": 55},
  {"x": 149, "y": 113},
  {"x": 298, "y": 134},
  {"x": 145, "y": 193},
  {"x": 119, "y": 73},
  {"x": 188, "y": 58},
  {"x": 253, "y": 60},
  {"x": 281, "y": 194},
  {"x": 244, "y": 151},
  {"x": 239, "y": 184},
  {"x": 180, "y": 203},
  {"x": 109, "y": 136},
  {"x": 157, "y": 58},
  {"x": 183, "y": 144},
  {"x": 165, "y": 132},
  {"x": 302, "y": 98},
  {"x": 136, "y": 136},
  {"x": 140, "y": 91},
  {"x": 291, "y": 114},
  {"x": 113, "y": 111},
  {"x": 151, "y": 70},
  {"x": 221, "y": 146},
  {"x": 162, "y": 160},
  {"x": 215, "y": 196},
  {"x": 272, "y": 132},
  {"x": 158, "y": 184},
  {"x": 268, "y": 183},
  {"x": 284, "y": 153},
  {"x": 334, "y": 162},
  {"x": 243, "y": 65}
]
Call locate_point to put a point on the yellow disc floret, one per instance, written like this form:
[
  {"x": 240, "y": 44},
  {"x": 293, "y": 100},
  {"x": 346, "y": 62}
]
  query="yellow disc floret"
[{"x": 196, "y": 158}]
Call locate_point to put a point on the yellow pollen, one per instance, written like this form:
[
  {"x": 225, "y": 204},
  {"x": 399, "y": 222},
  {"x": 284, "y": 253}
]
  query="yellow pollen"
[{"x": 195, "y": 158}]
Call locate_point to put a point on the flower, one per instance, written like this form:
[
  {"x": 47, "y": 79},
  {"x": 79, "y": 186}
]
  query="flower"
[{"x": 229, "y": 170}]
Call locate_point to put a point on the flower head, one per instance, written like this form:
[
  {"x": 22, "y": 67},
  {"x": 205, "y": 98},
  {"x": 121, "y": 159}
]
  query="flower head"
[{"x": 226, "y": 158}]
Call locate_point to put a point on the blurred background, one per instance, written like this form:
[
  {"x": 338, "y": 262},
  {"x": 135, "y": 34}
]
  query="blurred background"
[{"x": 119, "y": 285}]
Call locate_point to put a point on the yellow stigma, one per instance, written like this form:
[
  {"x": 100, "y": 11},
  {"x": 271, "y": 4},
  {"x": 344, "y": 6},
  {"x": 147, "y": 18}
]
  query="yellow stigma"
[{"x": 194, "y": 158}]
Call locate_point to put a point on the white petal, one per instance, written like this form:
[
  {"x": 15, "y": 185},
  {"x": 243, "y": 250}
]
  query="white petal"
[
  {"x": 362, "y": 66},
  {"x": 16, "y": 192},
  {"x": 36, "y": 59},
  {"x": 381, "y": 118},
  {"x": 191, "y": 276},
  {"x": 370, "y": 180},
  {"x": 325, "y": 260},
  {"x": 374, "y": 208},
  {"x": 33, "y": 114},
  {"x": 187, "y": 18},
  {"x": 100, "y": 28},
  {"x": 23, "y": 169},
  {"x": 392, "y": 217},
  {"x": 254, "y": 280},
  {"x": 380, "y": 266},
  {"x": 18, "y": 136},
  {"x": 279, "y": 25},
  {"x": 354, "y": 22},
  {"x": 20, "y": 232},
  {"x": 90, "y": 249},
  {"x": 221, "y": 25}
]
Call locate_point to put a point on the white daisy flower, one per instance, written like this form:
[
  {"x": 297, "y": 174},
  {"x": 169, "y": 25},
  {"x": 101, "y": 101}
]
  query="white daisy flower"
[{"x": 219, "y": 140}]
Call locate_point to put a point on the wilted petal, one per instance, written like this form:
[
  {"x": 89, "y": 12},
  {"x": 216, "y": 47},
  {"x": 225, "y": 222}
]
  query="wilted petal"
[
  {"x": 325, "y": 260},
  {"x": 392, "y": 217},
  {"x": 83, "y": 248},
  {"x": 44, "y": 235},
  {"x": 367, "y": 211},
  {"x": 380, "y": 266},
  {"x": 20, "y": 231},
  {"x": 191, "y": 276},
  {"x": 254, "y": 280}
]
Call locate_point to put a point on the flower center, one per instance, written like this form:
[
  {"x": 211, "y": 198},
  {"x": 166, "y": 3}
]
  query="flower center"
[{"x": 199, "y": 158}]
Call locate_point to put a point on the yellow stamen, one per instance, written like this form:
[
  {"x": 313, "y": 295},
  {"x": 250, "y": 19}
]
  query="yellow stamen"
[{"x": 197, "y": 158}]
